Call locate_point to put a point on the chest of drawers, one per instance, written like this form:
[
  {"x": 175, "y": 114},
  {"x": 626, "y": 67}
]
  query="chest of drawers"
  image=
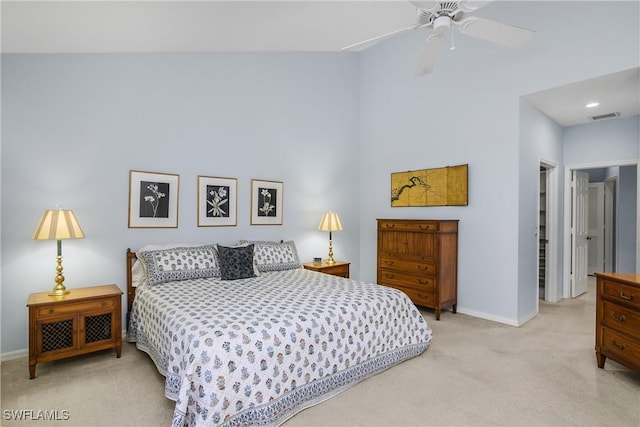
[
  {"x": 618, "y": 319},
  {"x": 420, "y": 258}
]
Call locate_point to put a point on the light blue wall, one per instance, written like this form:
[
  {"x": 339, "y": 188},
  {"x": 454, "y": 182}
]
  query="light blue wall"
[
  {"x": 74, "y": 125},
  {"x": 468, "y": 111},
  {"x": 540, "y": 140},
  {"x": 627, "y": 222}
]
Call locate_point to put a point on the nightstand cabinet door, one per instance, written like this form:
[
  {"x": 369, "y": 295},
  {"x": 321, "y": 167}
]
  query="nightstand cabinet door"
[{"x": 56, "y": 335}]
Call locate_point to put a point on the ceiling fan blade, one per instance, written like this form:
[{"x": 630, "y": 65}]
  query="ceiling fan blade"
[
  {"x": 425, "y": 4},
  {"x": 379, "y": 38},
  {"x": 470, "y": 6},
  {"x": 429, "y": 55},
  {"x": 495, "y": 32}
]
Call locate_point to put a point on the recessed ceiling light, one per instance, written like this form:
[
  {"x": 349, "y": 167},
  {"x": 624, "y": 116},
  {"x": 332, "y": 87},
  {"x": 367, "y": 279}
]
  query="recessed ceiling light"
[{"x": 592, "y": 104}]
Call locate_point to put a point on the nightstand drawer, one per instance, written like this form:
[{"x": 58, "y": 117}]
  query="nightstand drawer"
[
  {"x": 617, "y": 345},
  {"x": 337, "y": 268},
  {"x": 58, "y": 309}
]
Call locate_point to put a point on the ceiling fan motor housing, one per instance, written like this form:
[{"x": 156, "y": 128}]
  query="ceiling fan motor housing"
[{"x": 441, "y": 24}]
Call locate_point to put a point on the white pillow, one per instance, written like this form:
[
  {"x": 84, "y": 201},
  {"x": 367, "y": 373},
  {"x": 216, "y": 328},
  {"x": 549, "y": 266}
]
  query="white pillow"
[{"x": 274, "y": 256}]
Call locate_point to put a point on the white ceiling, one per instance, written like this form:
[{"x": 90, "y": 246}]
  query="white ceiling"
[{"x": 265, "y": 25}]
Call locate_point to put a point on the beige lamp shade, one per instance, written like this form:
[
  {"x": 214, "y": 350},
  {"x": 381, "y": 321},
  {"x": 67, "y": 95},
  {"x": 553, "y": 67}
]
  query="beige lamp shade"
[
  {"x": 330, "y": 222},
  {"x": 58, "y": 225}
]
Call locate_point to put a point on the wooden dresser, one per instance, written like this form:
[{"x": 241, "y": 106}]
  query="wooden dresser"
[
  {"x": 420, "y": 258},
  {"x": 618, "y": 319}
]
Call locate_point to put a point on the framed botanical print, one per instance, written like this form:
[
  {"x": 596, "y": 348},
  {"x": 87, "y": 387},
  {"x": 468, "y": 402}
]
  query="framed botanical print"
[
  {"x": 266, "y": 202},
  {"x": 153, "y": 199},
  {"x": 217, "y": 201}
]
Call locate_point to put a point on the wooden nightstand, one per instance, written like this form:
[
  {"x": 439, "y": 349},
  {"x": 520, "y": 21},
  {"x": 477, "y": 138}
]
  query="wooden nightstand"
[
  {"x": 338, "y": 268},
  {"x": 86, "y": 320}
]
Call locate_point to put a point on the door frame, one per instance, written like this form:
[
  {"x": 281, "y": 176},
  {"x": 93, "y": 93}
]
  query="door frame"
[
  {"x": 551, "y": 266},
  {"x": 610, "y": 191},
  {"x": 568, "y": 169}
]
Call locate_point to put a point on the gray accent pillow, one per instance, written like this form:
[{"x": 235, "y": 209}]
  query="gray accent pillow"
[{"x": 236, "y": 262}]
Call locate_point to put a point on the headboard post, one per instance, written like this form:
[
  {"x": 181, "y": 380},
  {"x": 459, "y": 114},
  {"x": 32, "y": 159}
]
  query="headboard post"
[{"x": 131, "y": 291}]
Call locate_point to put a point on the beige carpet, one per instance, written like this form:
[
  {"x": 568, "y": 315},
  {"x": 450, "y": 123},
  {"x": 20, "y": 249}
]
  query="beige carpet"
[{"x": 476, "y": 373}]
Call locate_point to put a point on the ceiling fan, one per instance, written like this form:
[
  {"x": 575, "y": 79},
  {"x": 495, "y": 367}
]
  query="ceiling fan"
[{"x": 442, "y": 16}]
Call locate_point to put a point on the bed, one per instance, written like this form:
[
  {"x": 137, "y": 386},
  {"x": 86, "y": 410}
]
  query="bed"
[{"x": 245, "y": 336}]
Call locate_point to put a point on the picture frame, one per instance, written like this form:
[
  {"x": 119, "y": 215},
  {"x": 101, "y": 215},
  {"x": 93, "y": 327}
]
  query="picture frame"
[
  {"x": 444, "y": 186},
  {"x": 153, "y": 199},
  {"x": 217, "y": 201},
  {"x": 266, "y": 202}
]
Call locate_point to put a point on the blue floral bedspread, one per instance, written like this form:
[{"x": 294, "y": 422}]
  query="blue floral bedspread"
[{"x": 256, "y": 351}]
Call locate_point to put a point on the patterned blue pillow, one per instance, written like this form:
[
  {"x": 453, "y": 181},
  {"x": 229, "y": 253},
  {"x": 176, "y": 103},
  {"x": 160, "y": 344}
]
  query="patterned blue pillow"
[
  {"x": 274, "y": 256},
  {"x": 180, "y": 263},
  {"x": 236, "y": 262}
]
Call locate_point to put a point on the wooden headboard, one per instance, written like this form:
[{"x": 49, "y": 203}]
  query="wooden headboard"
[{"x": 131, "y": 291}]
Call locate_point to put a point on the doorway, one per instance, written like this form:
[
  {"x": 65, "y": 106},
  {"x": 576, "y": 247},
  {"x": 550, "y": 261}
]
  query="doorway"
[
  {"x": 548, "y": 232},
  {"x": 567, "y": 288}
]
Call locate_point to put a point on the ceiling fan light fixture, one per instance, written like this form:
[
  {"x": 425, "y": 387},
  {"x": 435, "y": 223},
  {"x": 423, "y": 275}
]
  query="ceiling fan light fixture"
[{"x": 592, "y": 104}]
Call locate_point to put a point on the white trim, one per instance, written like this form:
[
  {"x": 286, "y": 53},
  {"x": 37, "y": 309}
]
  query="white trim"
[
  {"x": 493, "y": 318},
  {"x": 566, "y": 280},
  {"x": 13, "y": 355}
]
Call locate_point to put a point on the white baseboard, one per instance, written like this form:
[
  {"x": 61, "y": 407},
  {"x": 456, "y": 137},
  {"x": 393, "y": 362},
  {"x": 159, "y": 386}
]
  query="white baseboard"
[
  {"x": 486, "y": 316},
  {"x": 12, "y": 355}
]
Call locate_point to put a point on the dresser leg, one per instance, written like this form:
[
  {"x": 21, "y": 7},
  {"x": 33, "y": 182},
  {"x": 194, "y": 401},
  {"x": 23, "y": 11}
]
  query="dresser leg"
[
  {"x": 454, "y": 308},
  {"x": 601, "y": 359},
  {"x": 32, "y": 371},
  {"x": 437, "y": 313}
]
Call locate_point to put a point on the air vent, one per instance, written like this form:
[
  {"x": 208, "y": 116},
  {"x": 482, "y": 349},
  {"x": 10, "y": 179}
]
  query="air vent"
[{"x": 604, "y": 116}]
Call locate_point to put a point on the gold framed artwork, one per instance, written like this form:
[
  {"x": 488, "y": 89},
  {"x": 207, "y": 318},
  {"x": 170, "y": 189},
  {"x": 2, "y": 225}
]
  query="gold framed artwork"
[
  {"x": 446, "y": 186},
  {"x": 217, "y": 201},
  {"x": 153, "y": 200}
]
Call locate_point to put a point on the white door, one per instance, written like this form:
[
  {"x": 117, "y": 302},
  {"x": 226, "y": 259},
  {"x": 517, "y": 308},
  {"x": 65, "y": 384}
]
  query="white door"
[
  {"x": 596, "y": 227},
  {"x": 579, "y": 232}
]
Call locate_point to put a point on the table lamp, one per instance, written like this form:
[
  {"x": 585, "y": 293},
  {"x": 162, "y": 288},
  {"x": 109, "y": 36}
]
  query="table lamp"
[
  {"x": 58, "y": 225},
  {"x": 330, "y": 222}
]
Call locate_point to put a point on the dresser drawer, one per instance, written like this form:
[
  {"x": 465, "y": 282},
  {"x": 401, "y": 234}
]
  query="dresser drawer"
[
  {"x": 425, "y": 268},
  {"x": 617, "y": 346},
  {"x": 409, "y": 280},
  {"x": 621, "y": 319},
  {"x": 58, "y": 309},
  {"x": 408, "y": 226},
  {"x": 427, "y": 299},
  {"x": 622, "y": 293}
]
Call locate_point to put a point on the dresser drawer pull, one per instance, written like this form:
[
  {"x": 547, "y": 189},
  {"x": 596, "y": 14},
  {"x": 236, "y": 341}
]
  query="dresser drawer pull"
[
  {"x": 423, "y": 227},
  {"x": 627, "y": 297},
  {"x": 423, "y": 282},
  {"x": 619, "y": 346},
  {"x": 422, "y": 267},
  {"x": 390, "y": 225},
  {"x": 390, "y": 276},
  {"x": 389, "y": 262},
  {"x": 620, "y": 318}
]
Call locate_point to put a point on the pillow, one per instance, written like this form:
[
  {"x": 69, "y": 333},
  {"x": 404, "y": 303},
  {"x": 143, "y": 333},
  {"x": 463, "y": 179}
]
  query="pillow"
[
  {"x": 236, "y": 262},
  {"x": 274, "y": 256},
  {"x": 139, "y": 268},
  {"x": 180, "y": 263}
]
